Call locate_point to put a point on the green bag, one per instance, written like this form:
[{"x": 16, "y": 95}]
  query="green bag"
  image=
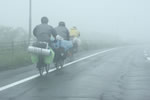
[{"x": 47, "y": 59}]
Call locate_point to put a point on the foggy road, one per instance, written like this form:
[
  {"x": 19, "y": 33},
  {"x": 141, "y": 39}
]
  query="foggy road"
[{"x": 118, "y": 74}]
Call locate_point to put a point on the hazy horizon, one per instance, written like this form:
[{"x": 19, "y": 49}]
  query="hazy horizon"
[{"x": 127, "y": 20}]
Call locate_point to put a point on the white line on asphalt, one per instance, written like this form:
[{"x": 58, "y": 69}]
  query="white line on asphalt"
[
  {"x": 148, "y": 58},
  {"x": 37, "y": 75},
  {"x": 87, "y": 57},
  {"x": 145, "y": 53}
]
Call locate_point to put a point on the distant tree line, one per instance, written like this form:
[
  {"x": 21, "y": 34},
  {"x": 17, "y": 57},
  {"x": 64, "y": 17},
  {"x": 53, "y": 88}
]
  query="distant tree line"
[{"x": 8, "y": 34}]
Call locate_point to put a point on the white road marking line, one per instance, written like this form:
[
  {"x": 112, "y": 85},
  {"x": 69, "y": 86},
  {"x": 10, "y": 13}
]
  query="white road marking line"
[
  {"x": 87, "y": 57},
  {"x": 51, "y": 70},
  {"x": 148, "y": 58},
  {"x": 146, "y": 55}
]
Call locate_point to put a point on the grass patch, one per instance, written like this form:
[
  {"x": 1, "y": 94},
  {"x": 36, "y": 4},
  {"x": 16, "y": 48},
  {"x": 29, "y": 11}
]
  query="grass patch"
[{"x": 14, "y": 58}]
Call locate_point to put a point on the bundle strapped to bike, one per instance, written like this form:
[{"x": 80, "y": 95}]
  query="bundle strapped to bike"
[{"x": 40, "y": 48}]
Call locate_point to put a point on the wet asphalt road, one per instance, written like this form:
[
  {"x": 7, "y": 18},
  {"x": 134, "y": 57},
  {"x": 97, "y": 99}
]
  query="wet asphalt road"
[{"x": 120, "y": 74}]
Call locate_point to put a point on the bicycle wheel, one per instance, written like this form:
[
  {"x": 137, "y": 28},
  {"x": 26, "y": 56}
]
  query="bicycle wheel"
[
  {"x": 57, "y": 65},
  {"x": 41, "y": 70},
  {"x": 47, "y": 67},
  {"x": 61, "y": 63}
]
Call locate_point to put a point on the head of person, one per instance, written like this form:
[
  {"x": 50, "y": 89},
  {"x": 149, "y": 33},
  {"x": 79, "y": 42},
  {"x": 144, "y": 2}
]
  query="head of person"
[
  {"x": 44, "y": 20},
  {"x": 61, "y": 24}
]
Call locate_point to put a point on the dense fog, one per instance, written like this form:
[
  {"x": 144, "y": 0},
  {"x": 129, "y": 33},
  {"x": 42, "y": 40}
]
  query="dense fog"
[{"x": 125, "y": 21}]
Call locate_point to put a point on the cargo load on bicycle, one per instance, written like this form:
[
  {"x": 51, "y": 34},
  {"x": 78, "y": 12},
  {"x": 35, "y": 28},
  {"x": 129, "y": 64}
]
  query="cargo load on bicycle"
[{"x": 37, "y": 49}]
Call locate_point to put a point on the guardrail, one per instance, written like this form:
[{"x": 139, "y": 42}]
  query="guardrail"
[{"x": 13, "y": 54}]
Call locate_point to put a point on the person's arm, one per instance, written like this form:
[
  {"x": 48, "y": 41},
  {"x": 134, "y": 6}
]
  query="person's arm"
[
  {"x": 54, "y": 33},
  {"x": 35, "y": 31}
]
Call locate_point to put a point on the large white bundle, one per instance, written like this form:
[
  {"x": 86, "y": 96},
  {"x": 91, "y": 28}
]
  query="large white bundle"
[{"x": 39, "y": 51}]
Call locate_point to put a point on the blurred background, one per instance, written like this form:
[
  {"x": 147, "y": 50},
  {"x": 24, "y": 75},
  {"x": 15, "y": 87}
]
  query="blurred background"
[{"x": 102, "y": 24}]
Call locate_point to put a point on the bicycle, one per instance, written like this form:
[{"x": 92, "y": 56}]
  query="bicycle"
[
  {"x": 60, "y": 54},
  {"x": 42, "y": 55}
]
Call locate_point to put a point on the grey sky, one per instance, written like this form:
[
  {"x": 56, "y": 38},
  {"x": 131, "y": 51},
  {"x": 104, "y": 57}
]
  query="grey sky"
[{"x": 126, "y": 18}]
